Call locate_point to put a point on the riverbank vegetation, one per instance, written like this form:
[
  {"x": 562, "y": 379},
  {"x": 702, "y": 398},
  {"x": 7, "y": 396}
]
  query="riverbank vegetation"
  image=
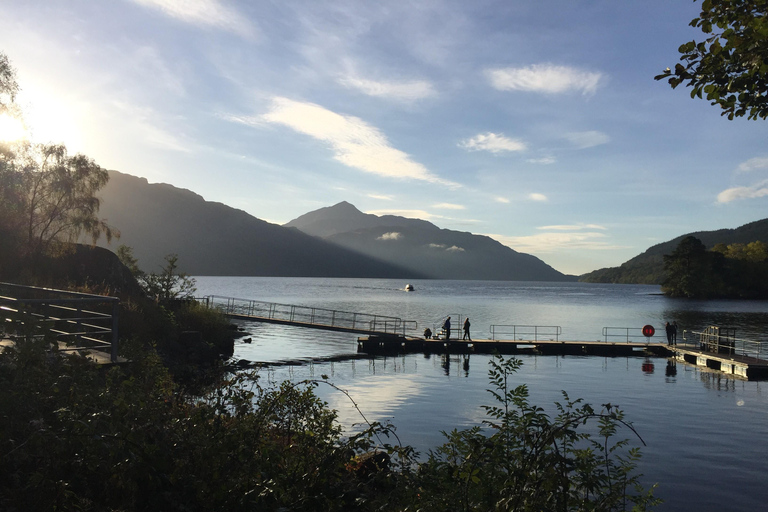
[
  {"x": 77, "y": 437},
  {"x": 725, "y": 271}
]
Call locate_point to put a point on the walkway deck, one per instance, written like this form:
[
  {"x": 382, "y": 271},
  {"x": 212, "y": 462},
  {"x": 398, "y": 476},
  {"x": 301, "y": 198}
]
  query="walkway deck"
[
  {"x": 309, "y": 317},
  {"x": 750, "y": 368},
  {"x": 402, "y": 345}
]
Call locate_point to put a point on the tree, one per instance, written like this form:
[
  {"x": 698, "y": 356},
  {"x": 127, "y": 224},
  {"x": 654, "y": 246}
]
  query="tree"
[
  {"x": 692, "y": 271},
  {"x": 730, "y": 66},
  {"x": 47, "y": 198},
  {"x": 169, "y": 284},
  {"x": 51, "y": 197},
  {"x": 8, "y": 85}
]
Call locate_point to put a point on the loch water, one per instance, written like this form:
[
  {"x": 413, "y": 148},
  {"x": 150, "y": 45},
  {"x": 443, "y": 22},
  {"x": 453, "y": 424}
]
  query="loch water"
[{"x": 706, "y": 434}]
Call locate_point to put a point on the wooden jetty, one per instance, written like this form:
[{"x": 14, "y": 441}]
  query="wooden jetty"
[
  {"x": 393, "y": 344},
  {"x": 725, "y": 355}
]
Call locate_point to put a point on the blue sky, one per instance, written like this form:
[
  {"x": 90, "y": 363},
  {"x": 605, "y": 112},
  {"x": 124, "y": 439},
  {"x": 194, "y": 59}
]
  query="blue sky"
[{"x": 535, "y": 122}]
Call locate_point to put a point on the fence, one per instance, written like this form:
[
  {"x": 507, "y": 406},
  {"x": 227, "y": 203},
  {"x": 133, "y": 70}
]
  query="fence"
[
  {"x": 76, "y": 321},
  {"x": 310, "y": 316},
  {"x": 631, "y": 335},
  {"x": 526, "y": 332},
  {"x": 723, "y": 340}
]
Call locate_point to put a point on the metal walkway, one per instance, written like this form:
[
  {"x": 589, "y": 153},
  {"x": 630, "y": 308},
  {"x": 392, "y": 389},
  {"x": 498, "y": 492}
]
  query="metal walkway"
[
  {"x": 306, "y": 316},
  {"x": 75, "y": 322}
]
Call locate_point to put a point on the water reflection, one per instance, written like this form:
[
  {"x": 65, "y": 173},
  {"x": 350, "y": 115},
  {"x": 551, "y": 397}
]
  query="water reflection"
[{"x": 671, "y": 370}]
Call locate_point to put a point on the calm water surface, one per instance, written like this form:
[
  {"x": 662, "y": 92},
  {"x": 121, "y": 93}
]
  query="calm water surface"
[{"x": 706, "y": 435}]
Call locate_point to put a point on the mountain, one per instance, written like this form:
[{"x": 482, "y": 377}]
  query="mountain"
[
  {"x": 214, "y": 239},
  {"x": 648, "y": 267},
  {"x": 422, "y": 247}
]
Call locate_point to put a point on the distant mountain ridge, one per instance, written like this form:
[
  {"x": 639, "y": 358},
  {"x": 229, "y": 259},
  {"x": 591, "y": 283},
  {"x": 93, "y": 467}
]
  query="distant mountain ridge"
[
  {"x": 648, "y": 267},
  {"x": 214, "y": 239},
  {"x": 422, "y": 247}
]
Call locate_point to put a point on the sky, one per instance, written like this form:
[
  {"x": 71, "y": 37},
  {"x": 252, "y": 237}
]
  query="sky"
[{"x": 535, "y": 122}]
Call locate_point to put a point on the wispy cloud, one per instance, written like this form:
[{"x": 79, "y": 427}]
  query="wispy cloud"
[
  {"x": 759, "y": 189},
  {"x": 561, "y": 237},
  {"x": 571, "y": 227},
  {"x": 400, "y": 91},
  {"x": 203, "y": 13},
  {"x": 589, "y": 139},
  {"x": 443, "y": 247},
  {"x": 448, "y": 206},
  {"x": 355, "y": 143},
  {"x": 545, "y": 160},
  {"x": 537, "y": 197},
  {"x": 554, "y": 242},
  {"x": 753, "y": 164},
  {"x": 381, "y": 197},
  {"x": 410, "y": 214},
  {"x": 502, "y": 200},
  {"x": 493, "y": 142},
  {"x": 146, "y": 122},
  {"x": 545, "y": 78},
  {"x": 390, "y": 236}
]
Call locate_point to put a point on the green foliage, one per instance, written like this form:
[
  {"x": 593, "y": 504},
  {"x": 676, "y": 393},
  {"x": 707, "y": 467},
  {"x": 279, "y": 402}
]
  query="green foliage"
[
  {"x": 169, "y": 284},
  {"x": 77, "y": 437},
  {"x": 125, "y": 255},
  {"x": 730, "y": 66},
  {"x": 734, "y": 271},
  {"x": 533, "y": 462},
  {"x": 74, "y": 437}
]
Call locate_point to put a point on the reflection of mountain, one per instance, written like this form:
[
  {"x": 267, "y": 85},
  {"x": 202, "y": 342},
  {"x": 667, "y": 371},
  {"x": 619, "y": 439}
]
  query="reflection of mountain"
[
  {"x": 215, "y": 239},
  {"x": 648, "y": 267},
  {"x": 422, "y": 247}
]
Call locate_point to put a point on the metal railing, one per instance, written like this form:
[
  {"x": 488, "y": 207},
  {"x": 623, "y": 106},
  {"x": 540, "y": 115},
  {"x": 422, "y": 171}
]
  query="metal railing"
[
  {"x": 320, "y": 317},
  {"x": 77, "y": 321},
  {"x": 723, "y": 340},
  {"x": 526, "y": 332},
  {"x": 631, "y": 335}
]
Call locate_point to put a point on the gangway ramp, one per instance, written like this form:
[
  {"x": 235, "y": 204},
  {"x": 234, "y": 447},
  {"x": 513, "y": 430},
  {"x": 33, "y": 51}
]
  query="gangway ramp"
[{"x": 311, "y": 317}]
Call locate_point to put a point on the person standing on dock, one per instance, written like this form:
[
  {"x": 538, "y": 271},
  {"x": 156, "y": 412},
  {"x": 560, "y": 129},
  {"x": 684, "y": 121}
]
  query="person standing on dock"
[
  {"x": 447, "y": 328},
  {"x": 670, "y": 332},
  {"x": 466, "y": 329},
  {"x": 674, "y": 333}
]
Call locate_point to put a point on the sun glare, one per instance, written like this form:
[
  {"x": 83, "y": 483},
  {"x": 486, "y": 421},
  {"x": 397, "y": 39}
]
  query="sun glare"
[{"x": 11, "y": 129}]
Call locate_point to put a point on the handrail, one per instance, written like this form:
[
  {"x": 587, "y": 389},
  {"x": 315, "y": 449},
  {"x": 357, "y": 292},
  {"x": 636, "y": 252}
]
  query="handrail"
[
  {"x": 723, "y": 340},
  {"x": 524, "y": 332},
  {"x": 309, "y": 315},
  {"x": 630, "y": 335},
  {"x": 71, "y": 317}
]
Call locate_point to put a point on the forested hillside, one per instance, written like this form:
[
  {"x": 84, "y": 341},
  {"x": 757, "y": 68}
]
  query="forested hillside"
[{"x": 648, "y": 267}]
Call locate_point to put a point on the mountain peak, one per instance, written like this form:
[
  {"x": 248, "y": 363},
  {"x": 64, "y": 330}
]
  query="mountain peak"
[{"x": 342, "y": 208}]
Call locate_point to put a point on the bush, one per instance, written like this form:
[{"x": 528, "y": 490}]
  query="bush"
[{"x": 77, "y": 437}]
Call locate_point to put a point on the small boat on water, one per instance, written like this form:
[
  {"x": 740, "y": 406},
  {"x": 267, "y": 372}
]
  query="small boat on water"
[{"x": 409, "y": 287}]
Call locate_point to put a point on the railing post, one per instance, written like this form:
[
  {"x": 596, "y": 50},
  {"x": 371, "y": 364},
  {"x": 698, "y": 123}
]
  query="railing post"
[{"x": 115, "y": 337}]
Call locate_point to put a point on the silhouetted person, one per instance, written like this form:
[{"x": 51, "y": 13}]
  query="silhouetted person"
[
  {"x": 447, "y": 328},
  {"x": 674, "y": 333},
  {"x": 466, "y": 330},
  {"x": 427, "y": 333},
  {"x": 670, "y": 333}
]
